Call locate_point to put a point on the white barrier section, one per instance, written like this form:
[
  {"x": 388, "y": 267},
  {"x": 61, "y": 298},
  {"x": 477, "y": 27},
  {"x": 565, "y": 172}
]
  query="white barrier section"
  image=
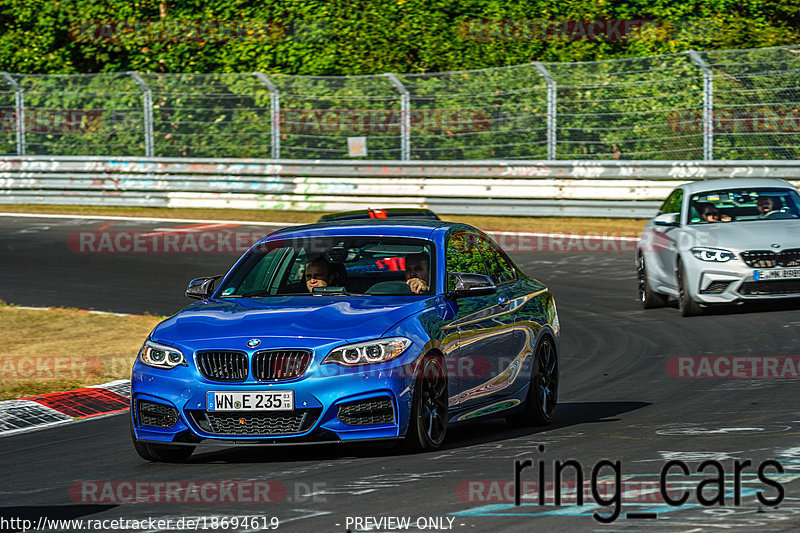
[{"x": 522, "y": 188}]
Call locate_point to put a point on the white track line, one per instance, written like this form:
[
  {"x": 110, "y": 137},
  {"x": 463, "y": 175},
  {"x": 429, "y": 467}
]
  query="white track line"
[
  {"x": 90, "y": 311},
  {"x": 152, "y": 219}
]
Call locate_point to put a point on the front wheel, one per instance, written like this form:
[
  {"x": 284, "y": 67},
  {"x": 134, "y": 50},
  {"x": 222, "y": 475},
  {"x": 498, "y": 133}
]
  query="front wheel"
[
  {"x": 686, "y": 304},
  {"x": 649, "y": 298},
  {"x": 540, "y": 404},
  {"x": 428, "y": 424}
]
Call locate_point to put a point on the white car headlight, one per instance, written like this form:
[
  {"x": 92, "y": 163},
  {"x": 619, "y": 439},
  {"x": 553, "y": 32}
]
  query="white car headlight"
[
  {"x": 713, "y": 254},
  {"x": 160, "y": 355},
  {"x": 369, "y": 352}
]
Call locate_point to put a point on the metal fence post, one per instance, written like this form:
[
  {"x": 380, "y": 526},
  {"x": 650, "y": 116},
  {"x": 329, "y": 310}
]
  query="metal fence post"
[
  {"x": 19, "y": 104},
  {"x": 708, "y": 105},
  {"x": 551, "y": 110},
  {"x": 275, "y": 109},
  {"x": 149, "y": 145},
  {"x": 405, "y": 117}
]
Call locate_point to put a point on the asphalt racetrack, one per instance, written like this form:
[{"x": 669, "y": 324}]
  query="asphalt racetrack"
[{"x": 627, "y": 394}]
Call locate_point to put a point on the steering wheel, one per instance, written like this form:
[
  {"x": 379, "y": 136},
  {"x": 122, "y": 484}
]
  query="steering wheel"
[{"x": 775, "y": 214}]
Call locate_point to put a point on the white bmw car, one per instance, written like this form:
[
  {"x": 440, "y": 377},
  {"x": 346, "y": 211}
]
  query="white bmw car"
[{"x": 720, "y": 242}]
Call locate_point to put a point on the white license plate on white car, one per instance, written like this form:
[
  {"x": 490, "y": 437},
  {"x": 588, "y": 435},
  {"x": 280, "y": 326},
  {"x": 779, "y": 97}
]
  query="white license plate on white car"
[
  {"x": 279, "y": 400},
  {"x": 785, "y": 273}
]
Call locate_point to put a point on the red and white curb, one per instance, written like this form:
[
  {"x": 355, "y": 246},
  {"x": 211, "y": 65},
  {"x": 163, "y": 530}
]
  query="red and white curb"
[{"x": 58, "y": 408}]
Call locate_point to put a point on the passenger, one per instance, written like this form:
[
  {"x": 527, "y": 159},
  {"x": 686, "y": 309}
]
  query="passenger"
[
  {"x": 418, "y": 272},
  {"x": 320, "y": 273},
  {"x": 709, "y": 213}
]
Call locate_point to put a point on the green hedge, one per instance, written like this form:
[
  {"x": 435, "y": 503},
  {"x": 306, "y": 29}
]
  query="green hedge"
[{"x": 311, "y": 37}]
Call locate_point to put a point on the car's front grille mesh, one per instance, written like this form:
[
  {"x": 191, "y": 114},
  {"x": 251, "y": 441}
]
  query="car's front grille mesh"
[
  {"x": 716, "y": 287},
  {"x": 768, "y": 259},
  {"x": 367, "y": 412},
  {"x": 248, "y": 423},
  {"x": 280, "y": 364},
  {"x": 223, "y": 366},
  {"x": 760, "y": 258},
  {"x": 790, "y": 258},
  {"x": 780, "y": 286}
]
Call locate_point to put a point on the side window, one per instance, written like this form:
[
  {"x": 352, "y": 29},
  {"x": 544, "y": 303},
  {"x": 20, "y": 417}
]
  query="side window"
[
  {"x": 498, "y": 267},
  {"x": 673, "y": 203},
  {"x": 463, "y": 255},
  {"x": 259, "y": 276}
]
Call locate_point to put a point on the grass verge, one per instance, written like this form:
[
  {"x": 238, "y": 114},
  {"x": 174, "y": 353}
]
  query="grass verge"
[
  {"x": 569, "y": 225},
  {"x": 61, "y": 349}
]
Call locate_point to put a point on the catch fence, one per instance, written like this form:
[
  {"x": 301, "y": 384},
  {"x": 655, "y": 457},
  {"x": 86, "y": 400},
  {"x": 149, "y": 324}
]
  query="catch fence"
[{"x": 718, "y": 105}]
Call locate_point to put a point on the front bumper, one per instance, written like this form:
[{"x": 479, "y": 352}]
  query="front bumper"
[
  {"x": 317, "y": 416},
  {"x": 733, "y": 281}
]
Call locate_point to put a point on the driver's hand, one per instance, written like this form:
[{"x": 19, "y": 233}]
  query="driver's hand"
[
  {"x": 417, "y": 285},
  {"x": 312, "y": 283}
]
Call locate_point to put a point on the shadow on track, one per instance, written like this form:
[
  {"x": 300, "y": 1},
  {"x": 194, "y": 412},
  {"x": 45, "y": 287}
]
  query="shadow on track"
[
  {"x": 478, "y": 432},
  {"x": 762, "y": 306}
]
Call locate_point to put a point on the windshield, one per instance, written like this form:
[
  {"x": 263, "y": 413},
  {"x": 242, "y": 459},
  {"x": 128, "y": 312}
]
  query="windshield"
[
  {"x": 741, "y": 205},
  {"x": 334, "y": 265}
]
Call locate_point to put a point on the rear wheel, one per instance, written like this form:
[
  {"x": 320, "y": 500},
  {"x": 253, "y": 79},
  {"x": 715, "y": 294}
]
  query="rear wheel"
[
  {"x": 649, "y": 298},
  {"x": 161, "y": 453},
  {"x": 540, "y": 404},
  {"x": 687, "y": 306},
  {"x": 428, "y": 424}
]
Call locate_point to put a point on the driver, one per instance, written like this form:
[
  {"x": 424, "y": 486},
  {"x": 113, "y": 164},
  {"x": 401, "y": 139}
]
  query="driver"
[
  {"x": 418, "y": 272},
  {"x": 765, "y": 206},
  {"x": 319, "y": 273}
]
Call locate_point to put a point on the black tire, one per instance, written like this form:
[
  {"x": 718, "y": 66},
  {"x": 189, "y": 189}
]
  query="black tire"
[
  {"x": 650, "y": 299},
  {"x": 428, "y": 424},
  {"x": 161, "y": 453},
  {"x": 687, "y": 306},
  {"x": 542, "y": 399}
]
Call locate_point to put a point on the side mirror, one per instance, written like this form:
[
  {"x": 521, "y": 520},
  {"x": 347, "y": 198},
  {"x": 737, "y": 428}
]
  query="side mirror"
[
  {"x": 666, "y": 219},
  {"x": 467, "y": 284},
  {"x": 201, "y": 288}
]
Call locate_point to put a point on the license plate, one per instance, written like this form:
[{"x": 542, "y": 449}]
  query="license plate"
[
  {"x": 279, "y": 400},
  {"x": 785, "y": 273}
]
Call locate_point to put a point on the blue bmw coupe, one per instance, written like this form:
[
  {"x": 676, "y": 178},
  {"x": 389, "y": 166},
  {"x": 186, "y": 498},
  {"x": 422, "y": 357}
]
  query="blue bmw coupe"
[{"x": 349, "y": 330}]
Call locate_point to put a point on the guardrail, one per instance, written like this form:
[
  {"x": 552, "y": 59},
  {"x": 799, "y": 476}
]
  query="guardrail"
[{"x": 522, "y": 188}]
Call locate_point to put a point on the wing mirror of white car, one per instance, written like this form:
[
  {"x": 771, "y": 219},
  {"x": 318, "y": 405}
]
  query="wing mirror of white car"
[{"x": 666, "y": 219}]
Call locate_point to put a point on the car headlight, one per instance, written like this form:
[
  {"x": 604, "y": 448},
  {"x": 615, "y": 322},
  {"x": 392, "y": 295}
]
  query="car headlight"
[
  {"x": 369, "y": 352},
  {"x": 161, "y": 356},
  {"x": 712, "y": 254}
]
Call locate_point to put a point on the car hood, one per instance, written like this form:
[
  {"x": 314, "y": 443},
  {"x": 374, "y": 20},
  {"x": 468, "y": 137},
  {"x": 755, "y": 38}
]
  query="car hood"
[
  {"x": 324, "y": 318},
  {"x": 750, "y": 235}
]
